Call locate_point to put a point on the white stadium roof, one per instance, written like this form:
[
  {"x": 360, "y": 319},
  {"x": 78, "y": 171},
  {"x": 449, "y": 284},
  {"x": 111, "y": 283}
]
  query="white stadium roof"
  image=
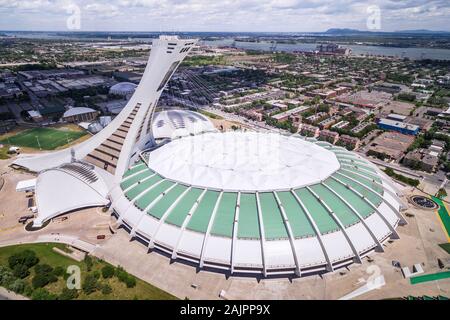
[
  {"x": 77, "y": 111},
  {"x": 68, "y": 187},
  {"x": 258, "y": 203},
  {"x": 123, "y": 88},
  {"x": 179, "y": 123},
  {"x": 244, "y": 161}
]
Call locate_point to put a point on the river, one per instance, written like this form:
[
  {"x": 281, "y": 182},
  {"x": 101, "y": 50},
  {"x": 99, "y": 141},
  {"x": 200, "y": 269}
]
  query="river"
[{"x": 357, "y": 50}]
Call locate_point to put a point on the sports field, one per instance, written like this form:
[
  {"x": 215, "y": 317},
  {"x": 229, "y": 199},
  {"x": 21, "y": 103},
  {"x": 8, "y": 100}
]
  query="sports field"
[{"x": 43, "y": 138}]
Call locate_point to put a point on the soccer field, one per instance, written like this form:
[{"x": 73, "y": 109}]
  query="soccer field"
[{"x": 44, "y": 138}]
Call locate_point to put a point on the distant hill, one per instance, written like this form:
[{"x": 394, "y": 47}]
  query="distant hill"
[
  {"x": 346, "y": 31},
  {"x": 342, "y": 31},
  {"x": 423, "y": 31}
]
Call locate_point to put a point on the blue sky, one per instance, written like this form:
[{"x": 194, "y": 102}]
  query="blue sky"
[{"x": 222, "y": 15}]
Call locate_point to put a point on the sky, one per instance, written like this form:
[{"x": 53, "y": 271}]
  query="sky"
[{"x": 223, "y": 15}]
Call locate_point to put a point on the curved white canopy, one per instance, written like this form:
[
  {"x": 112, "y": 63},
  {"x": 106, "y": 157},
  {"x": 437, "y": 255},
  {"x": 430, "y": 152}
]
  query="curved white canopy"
[{"x": 58, "y": 192}]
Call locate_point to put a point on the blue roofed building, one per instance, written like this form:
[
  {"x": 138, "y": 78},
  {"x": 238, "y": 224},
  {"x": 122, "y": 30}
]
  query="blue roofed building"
[{"x": 392, "y": 125}]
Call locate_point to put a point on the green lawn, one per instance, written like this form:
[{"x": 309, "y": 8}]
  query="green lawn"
[
  {"x": 444, "y": 215},
  {"x": 445, "y": 247},
  {"x": 430, "y": 277},
  {"x": 48, "y": 139},
  {"x": 4, "y": 153},
  {"x": 210, "y": 114},
  {"x": 46, "y": 255}
]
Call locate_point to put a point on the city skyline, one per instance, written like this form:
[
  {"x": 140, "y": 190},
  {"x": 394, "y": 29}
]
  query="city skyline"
[{"x": 226, "y": 16}]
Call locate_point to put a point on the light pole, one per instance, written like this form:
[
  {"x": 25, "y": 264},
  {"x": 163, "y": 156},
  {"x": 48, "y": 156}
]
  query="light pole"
[{"x": 39, "y": 144}]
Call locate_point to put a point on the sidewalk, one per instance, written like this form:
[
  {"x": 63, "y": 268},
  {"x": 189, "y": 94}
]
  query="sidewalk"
[{"x": 9, "y": 295}]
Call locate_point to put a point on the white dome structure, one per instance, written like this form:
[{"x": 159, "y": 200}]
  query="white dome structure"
[
  {"x": 123, "y": 89},
  {"x": 258, "y": 203},
  {"x": 172, "y": 124}
]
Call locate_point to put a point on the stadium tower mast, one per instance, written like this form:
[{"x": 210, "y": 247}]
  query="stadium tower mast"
[{"x": 112, "y": 148}]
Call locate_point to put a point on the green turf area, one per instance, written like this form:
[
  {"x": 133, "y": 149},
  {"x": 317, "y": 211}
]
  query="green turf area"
[
  {"x": 48, "y": 139},
  {"x": 445, "y": 247},
  {"x": 430, "y": 277},
  {"x": 46, "y": 255},
  {"x": 444, "y": 215},
  {"x": 4, "y": 153},
  {"x": 210, "y": 114}
]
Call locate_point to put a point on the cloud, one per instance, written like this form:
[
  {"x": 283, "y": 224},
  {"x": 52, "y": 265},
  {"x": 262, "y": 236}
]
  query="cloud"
[
  {"x": 101, "y": 10},
  {"x": 224, "y": 15}
]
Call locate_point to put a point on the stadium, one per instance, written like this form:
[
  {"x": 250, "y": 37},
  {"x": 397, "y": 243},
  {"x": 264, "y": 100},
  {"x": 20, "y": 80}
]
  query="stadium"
[
  {"x": 249, "y": 203},
  {"x": 258, "y": 203}
]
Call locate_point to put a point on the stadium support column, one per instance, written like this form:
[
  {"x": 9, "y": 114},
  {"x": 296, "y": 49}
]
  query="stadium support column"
[{"x": 166, "y": 55}]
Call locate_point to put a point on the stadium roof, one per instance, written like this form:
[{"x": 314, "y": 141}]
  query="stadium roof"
[
  {"x": 179, "y": 123},
  {"x": 69, "y": 187},
  {"x": 77, "y": 111},
  {"x": 123, "y": 87},
  {"x": 244, "y": 162},
  {"x": 189, "y": 203}
]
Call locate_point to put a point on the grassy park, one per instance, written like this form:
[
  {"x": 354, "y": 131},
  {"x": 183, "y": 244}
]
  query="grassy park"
[
  {"x": 43, "y": 138},
  {"x": 38, "y": 272}
]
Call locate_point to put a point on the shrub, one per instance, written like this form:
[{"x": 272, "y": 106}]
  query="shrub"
[
  {"x": 6, "y": 276},
  {"x": 27, "y": 258},
  {"x": 18, "y": 286},
  {"x": 68, "y": 294},
  {"x": 42, "y": 294},
  {"x": 126, "y": 278},
  {"x": 44, "y": 275},
  {"x": 96, "y": 274},
  {"x": 106, "y": 289},
  {"x": 40, "y": 281},
  {"x": 130, "y": 281},
  {"x": 43, "y": 269},
  {"x": 28, "y": 291},
  {"x": 59, "y": 271},
  {"x": 89, "y": 263},
  {"x": 90, "y": 284},
  {"x": 21, "y": 271},
  {"x": 108, "y": 271}
]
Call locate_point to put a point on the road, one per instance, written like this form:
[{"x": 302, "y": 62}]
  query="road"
[
  {"x": 395, "y": 167},
  {"x": 256, "y": 125}
]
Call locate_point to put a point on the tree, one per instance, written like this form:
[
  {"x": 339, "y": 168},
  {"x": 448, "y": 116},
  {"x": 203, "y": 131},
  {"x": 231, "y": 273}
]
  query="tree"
[
  {"x": 90, "y": 284},
  {"x": 18, "y": 286},
  {"x": 126, "y": 278},
  {"x": 59, "y": 271},
  {"x": 26, "y": 257},
  {"x": 68, "y": 294},
  {"x": 130, "y": 281},
  {"x": 108, "y": 271},
  {"x": 106, "y": 289},
  {"x": 43, "y": 276},
  {"x": 88, "y": 261},
  {"x": 441, "y": 193},
  {"x": 21, "y": 271},
  {"x": 43, "y": 294},
  {"x": 6, "y": 276}
]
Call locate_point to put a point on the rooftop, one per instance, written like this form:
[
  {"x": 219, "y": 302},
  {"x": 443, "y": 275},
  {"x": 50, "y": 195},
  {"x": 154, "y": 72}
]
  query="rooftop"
[{"x": 244, "y": 161}]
